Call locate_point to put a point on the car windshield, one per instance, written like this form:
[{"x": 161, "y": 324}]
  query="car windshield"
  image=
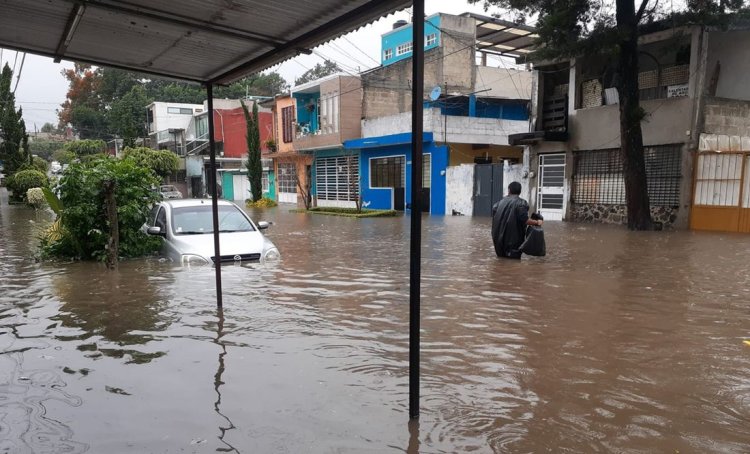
[{"x": 196, "y": 220}]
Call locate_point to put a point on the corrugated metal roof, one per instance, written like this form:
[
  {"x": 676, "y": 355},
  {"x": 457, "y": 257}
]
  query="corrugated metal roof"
[
  {"x": 216, "y": 41},
  {"x": 502, "y": 37}
]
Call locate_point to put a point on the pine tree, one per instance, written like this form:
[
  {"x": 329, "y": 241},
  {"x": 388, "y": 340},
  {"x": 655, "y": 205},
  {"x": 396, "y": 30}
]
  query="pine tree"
[
  {"x": 254, "y": 167},
  {"x": 14, "y": 146}
]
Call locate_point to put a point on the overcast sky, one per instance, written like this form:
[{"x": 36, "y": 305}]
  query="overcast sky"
[{"x": 42, "y": 88}]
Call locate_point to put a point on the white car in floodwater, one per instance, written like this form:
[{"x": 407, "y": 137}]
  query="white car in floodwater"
[{"x": 187, "y": 228}]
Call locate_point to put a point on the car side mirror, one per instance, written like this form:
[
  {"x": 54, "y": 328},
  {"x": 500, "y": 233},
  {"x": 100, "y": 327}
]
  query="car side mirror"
[
  {"x": 155, "y": 231},
  {"x": 263, "y": 225}
]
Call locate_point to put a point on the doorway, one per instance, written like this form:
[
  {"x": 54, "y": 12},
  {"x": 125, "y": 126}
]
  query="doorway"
[
  {"x": 551, "y": 192},
  {"x": 488, "y": 187}
]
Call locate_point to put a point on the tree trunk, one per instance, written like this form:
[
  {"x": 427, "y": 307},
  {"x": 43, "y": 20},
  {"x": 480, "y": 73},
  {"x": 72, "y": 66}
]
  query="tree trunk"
[
  {"x": 113, "y": 244},
  {"x": 631, "y": 115}
]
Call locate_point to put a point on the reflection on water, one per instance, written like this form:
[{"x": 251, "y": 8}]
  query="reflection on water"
[{"x": 616, "y": 341}]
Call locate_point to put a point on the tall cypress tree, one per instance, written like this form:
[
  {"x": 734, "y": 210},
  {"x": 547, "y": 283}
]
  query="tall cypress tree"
[
  {"x": 254, "y": 167},
  {"x": 14, "y": 141}
]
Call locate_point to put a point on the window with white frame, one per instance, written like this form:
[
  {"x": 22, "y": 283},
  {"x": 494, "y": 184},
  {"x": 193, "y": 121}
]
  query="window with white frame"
[
  {"x": 426, "y": 170},
  {"x": 180, "y": 110},
  {"x": 404, "y": 48},
  {"x": 264, "y": 181},
  {"x": 387, "y": 54},
  {"x": 430, "y": 39},
  {"x": 337, "y": 178},
  {"x": 287, "y": 177}
]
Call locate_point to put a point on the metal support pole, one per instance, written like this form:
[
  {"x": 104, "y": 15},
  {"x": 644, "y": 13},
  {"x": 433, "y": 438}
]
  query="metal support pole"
[
  {"x": 214, "y": 196},
  {"x": 417, "y": 128}
]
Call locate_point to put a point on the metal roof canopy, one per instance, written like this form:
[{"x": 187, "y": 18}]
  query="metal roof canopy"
[
  {"x": 205, "y": 41},
  {"x": 217, "y": 42},
  {"x": 496, "y": 36}
]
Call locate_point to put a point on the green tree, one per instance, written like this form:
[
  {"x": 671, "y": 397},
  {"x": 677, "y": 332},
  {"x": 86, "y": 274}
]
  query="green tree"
[
  {"x": 584, "y": 27},
  {"x": 162, "y": 162},
  {"x": 49, "y": 128},
  {"x": 254, "y": 166},
  {"x": 44, "y": 148},
  {"x": 63, "y": 156},
  {"x": 327, "y": 68},
  {"x": 85, "y": 147},
  {"x": 83, "y": 233},
  {"x": 14, "y": 141},
  {"x": 127, "y": 116}
]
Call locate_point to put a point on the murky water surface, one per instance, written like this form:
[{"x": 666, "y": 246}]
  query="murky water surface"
[{"x": 615, "y": 342}]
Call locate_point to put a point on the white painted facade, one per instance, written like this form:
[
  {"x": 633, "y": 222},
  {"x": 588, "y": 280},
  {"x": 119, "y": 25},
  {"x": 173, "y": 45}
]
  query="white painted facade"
[
  {"x": 459, "y": 129},
  {"x": 459, "y": 189}
]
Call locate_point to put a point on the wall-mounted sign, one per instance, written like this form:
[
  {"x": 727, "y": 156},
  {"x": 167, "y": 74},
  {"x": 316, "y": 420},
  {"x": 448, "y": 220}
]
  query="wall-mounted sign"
[{"x": 677, "y": 91}]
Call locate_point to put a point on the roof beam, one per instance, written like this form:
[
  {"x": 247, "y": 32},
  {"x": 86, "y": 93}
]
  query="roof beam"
[
  {"x": 291, "y": 48},
  {"x": 182, "y": 21},
  {"x": 513, "y": 38},
  {"x": 70, "y": 29}
]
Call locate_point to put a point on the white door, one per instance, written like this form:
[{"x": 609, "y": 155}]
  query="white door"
[
  {"x": 241, "y": 187},
  {"x": 551, "y": 193}
]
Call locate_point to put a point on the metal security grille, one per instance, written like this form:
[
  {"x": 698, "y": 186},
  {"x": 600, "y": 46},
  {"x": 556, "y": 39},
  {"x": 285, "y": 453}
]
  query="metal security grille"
[
  {"x": 287, "y": 180},
  {"x": 718, "y": 179},
  {"x": 599, "y": 176},
  {"x": 337, "y": 178},
  {"x": 387, "y": 172},
  {"x": 426, "y": 170}
]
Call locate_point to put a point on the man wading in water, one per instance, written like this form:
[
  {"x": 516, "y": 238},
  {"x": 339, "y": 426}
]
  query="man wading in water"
[{"x": 510, "y": 216}]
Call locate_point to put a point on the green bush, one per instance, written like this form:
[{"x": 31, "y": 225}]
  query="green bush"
[
  {"x": 85, "y": 147},
  {"x": 40, "y": 164},
  {"x": 83, "y": 232},
  {"x": 63, "y": 156},
  {"x": 265, "y": 202},
  {"x": 22, "y": 181},
  {"x": 350, "y": 212},
  {"x": 161, "y": 162}
]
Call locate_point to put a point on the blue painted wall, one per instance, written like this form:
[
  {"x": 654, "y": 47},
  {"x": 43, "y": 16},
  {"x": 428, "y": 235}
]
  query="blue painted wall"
[
  {"x": 392, "y": 39},
  {"x": 382, "y": 198},
  {"x": 305, "y": 116},
  {"x": 481, "y": 108}
]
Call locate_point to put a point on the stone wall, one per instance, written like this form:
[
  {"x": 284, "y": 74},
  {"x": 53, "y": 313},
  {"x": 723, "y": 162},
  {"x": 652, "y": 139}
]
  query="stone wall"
[{"x": 618, "y": 214}]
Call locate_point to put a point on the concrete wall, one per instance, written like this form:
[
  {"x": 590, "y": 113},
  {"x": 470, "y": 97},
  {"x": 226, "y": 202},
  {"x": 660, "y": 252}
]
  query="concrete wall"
[
  {"x": 727, "y": 116},
  {"x": 599, "y": 127},
  {"x": 165, "y": 120},
  {"x": 732, "y": 50},
  {"x": 459, "y": 182},
  {"x": 459, "y": 130},
  {"x": 387, "y": 89},
  {"x": 504, "y": 83}
]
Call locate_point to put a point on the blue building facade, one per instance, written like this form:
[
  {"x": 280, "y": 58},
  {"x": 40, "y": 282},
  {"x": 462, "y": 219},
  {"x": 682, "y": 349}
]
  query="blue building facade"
[
  {"x": 397, "y": 44},
  {"x": 385, "y": 172}
]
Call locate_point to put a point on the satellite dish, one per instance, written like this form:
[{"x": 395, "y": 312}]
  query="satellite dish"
[{"x": 435, "y": 93}]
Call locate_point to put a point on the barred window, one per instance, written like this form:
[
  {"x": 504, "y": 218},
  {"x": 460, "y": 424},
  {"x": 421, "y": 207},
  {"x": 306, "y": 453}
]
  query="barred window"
[
  {"x": 264, "y": 181},
  {"x": 337, "y": 178},
  {"x": 426, "y": 170},
  {"x": 599, "y": 176},
  {"x": 387, "y": 172},
  {"x": 287, "y": 177},
  {"x": 287, "y": 116}
]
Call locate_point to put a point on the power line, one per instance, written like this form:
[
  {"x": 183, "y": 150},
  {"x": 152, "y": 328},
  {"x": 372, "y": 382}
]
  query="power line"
[{"x": 363, "y": 52}]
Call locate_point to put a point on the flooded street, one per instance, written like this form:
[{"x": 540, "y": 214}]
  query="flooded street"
[{"x": 615, "y": 342}]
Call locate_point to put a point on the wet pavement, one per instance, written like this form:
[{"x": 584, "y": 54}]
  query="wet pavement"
[{"x": 615, "y": 342}]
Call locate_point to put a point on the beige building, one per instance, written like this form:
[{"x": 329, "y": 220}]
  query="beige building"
[{"x": 696, "y": 133}]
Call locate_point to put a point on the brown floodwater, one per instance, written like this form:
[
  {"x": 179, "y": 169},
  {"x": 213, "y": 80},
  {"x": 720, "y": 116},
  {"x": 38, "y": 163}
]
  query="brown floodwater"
[{"x": 615, "y": 342}]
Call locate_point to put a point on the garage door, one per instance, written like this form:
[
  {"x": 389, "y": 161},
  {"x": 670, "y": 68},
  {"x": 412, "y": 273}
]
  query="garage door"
[
  {"x": 721, "y": 196},
  {"x": 241, "y": 187}
]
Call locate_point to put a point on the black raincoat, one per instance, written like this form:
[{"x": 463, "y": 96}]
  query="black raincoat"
[{"x": 509, "y": 218}]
